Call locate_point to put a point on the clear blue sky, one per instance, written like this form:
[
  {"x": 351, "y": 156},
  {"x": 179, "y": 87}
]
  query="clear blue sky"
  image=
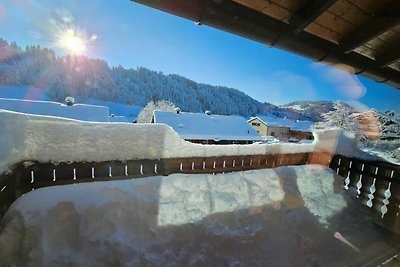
[{"x": 133, "y": 35}]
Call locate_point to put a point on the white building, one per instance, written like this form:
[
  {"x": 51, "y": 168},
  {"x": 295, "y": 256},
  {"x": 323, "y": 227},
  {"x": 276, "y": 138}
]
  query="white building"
[{"x": 281, "y": 128}]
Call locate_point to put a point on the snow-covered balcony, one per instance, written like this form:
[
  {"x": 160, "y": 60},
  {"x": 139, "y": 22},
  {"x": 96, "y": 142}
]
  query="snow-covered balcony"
[{"x": 217, "y": 200}]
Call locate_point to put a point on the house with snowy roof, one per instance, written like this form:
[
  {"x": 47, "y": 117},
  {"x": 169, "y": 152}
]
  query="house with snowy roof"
[
  {"x": 281, "y": 128},
  {"x": 83, "y": 112},
  {"x": 207, "y": 128}
]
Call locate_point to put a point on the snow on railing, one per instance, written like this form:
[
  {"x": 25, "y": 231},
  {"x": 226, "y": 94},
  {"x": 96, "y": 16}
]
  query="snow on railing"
[
  {"x": 27, "y": 177},
  {"x": 376, "y": 184}
]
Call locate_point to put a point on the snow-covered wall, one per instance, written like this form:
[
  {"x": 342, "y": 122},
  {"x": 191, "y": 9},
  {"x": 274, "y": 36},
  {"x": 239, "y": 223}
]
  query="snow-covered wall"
[
  {"x": 41, "y": 138},
  {"x": 78, "y": 111}
]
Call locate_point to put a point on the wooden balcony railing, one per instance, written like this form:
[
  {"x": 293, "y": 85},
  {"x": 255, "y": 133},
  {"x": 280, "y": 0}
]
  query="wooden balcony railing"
[{"x": 376, "y": 184}]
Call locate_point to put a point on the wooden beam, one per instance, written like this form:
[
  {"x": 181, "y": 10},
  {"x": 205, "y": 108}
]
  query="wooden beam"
[
  {"x": 389, "y": 56},
  {"x": 372, "y": 28},
  {"x": 308, "y": 12}
]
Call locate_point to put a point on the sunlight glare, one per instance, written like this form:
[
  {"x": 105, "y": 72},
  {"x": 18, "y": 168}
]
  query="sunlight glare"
[{"x": 72, "y": 42}]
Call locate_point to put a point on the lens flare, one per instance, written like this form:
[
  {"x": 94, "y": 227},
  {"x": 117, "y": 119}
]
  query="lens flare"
[{"x": 72, "y": 41}]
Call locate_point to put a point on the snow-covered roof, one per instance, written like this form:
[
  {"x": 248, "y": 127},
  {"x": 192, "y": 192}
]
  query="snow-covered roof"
[
  {"x": 23, "y": 92},
  {"x": 121, "y": 119},
  {"x": 200, "y": 126},
  {"x": 118, "y": 109},
  {"x": 82, "y": 112},
  {"x": 301, "y": 126}
]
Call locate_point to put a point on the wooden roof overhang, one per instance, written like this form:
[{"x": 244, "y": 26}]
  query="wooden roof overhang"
[{"x": 359, "y": 36}]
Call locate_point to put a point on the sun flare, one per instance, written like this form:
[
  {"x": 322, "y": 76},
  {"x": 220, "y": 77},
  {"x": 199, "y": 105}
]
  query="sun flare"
[{"x": 72, "y": 42}]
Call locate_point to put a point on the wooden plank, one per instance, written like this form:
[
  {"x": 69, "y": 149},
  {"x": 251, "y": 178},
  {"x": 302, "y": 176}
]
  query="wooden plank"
[
  {"x": 336, "y": 24},
  {"x": 308, "y": 12},
  {"x": 349, "y": 12},
  {"x": 323, "y": 32},
  {"x": 389, "y": 56},
  {"x": 374, "y": 27},
  {"x": 290, "y": 5},
  {"x": 268, "y": 8},
  {"x": 372, "y": 7},
  {"x": 395, "y": 65}
]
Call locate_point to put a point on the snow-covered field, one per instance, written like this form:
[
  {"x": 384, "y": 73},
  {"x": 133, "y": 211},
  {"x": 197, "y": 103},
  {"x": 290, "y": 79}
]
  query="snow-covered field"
[{"x": 286, "y": 216}]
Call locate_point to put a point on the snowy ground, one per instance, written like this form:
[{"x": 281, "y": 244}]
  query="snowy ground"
[{"x": 286, "y": 216}]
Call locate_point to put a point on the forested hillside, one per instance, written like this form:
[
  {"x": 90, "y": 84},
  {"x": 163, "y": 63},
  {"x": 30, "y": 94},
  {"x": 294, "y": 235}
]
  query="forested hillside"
[{"x": 84, "y": 78}]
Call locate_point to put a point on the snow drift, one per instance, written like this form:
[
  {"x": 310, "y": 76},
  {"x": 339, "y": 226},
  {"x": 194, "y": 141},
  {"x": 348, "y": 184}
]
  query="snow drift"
[
  {"x": 274, "y": 217},
  {"x": 52, "y": 139},
  {"x": 339, "y": 141}
]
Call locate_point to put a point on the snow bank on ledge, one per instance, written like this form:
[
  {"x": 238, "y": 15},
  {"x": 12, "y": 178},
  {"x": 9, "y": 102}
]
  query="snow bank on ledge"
[
  {"x": 43, "y": 138},
  {"x": 255, "y": 218},
  {"x": 339, "y": 141}
]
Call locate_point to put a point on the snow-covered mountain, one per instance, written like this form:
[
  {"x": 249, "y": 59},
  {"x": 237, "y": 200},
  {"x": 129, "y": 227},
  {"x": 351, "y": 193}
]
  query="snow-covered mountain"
[
  {"x": 311, "y": 109},
  {"x": 86, "y": 78}
]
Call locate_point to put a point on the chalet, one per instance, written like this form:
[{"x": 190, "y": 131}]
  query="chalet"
[
  {"x": 207, "y": 128},
  {"x": 281, "y": 128}
]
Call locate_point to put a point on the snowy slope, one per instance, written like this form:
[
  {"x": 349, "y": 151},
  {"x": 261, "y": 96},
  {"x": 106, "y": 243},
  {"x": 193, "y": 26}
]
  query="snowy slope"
[
  {"x": 275, "y": 217},
  {"x": 311, "y": 109}
]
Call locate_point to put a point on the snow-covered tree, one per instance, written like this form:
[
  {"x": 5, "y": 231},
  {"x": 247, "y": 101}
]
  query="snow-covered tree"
[
  {"x": 147, "y": 113},
  {"x": 382, "y": 124},
  {"x": 341, "y": 116}
]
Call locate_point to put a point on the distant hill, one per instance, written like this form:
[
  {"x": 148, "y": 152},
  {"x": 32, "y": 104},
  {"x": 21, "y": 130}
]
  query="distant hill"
[{"x": 311, "y": 109}]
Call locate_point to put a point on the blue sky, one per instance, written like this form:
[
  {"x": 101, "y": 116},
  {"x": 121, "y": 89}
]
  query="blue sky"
[{"x": 133, "y": 35}]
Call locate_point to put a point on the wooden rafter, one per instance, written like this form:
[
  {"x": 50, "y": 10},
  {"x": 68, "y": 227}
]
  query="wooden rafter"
[
  {"x": 308, "y": 12},
  {"x": 371, "y": 29},
  {"x": 390, "y": 56}
]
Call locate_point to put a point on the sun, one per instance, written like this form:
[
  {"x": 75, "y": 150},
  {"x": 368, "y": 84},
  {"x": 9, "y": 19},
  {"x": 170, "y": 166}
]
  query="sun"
[{"x": 71, "y": 41}]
